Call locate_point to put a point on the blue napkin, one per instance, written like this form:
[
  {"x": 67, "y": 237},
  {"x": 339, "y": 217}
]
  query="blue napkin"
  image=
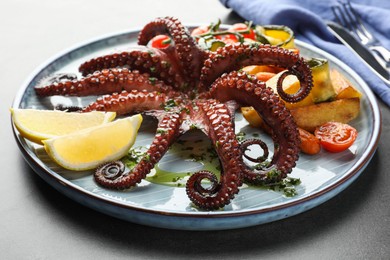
[{"x": 307, "y": 19}]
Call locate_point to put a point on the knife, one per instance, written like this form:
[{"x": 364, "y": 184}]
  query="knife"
[{"x": 348, "y": 40}]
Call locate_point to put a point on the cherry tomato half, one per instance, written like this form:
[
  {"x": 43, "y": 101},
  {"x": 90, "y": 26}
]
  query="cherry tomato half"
[
  {"x": 230, "y": 39},
  {"x": 200, "y": 30},
  {"x": 336, "y": 137},
  {"x": 160, "y": 41},
  {"x": 241, "y": 27}
]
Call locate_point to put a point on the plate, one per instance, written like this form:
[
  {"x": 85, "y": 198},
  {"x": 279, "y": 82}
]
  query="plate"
[{"x": 322, "y": 176}]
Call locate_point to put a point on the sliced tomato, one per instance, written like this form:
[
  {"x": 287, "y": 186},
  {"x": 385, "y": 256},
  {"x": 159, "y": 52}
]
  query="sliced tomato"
[
  {"x": 336, "y": 137},
  {"x": 238, "y": 27},
  {"x": 160, "y": 41},
  {"x": 200, "y": 30},
  {"x": 230, "y": 39}
]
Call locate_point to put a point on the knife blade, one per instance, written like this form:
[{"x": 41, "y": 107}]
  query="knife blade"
[{"x": 352, "y": 43}]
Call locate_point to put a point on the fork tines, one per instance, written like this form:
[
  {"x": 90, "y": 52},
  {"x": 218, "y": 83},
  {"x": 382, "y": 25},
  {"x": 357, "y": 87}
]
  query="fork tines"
[{"x": 346, "y": 16}]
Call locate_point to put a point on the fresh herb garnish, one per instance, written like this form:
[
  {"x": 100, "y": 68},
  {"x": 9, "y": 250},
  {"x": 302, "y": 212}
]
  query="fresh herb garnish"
[
  {"x": 240, "y": 136},
  {"x": 167, "y": 106},
  {"x": 287, "y": 185}
]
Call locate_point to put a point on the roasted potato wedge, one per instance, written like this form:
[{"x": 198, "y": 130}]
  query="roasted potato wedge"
[
  {"x": 342, "y": 86},
  {"x": 253, "y": 69},
  {"x": 254, "y": 119},
  {"x": 312, "y": 116},
  {"x": 341, "y": 110}
]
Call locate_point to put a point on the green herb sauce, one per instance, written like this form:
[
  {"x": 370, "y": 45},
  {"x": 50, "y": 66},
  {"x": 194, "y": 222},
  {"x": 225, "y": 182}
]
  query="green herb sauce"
[
  {"x": 195, "y": 158},
  {"x": 195, "y": 153}
]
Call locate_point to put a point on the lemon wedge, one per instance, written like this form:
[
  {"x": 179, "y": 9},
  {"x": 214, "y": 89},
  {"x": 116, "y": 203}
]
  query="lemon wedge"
[
  {"x": 37, "y": 125},
  {"x": 89, "y": 148}
]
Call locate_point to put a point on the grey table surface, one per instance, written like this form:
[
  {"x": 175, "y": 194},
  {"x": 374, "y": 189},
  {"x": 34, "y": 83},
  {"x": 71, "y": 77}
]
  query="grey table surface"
[{"x": 37, "y": 222}]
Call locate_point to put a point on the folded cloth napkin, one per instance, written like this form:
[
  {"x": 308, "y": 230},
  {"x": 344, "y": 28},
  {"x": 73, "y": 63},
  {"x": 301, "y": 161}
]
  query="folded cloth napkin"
[{"x": 308, "y": 18}]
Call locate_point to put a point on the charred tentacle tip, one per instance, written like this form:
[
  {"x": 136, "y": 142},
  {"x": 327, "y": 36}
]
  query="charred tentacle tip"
[
  {"x": 68, "y": 108},
  {"x": 194, "y": 183},
  {"x": 245, "y": 147},
  {"x": 304, "y": 89},
  {"x": 111, "y": 170}
]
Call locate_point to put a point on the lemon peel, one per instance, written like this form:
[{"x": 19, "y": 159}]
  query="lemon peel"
[{"x": 37, "y": 125}]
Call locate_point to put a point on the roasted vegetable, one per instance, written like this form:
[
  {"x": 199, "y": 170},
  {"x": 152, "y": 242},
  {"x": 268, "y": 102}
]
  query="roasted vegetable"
[
  {"x": 312, "y": 116},
  {"x": 335, "y": 136},
  {"x": 253, "y": 118},
  {"x": 342, "y": 110},
  {"x": 278, "y": 35},
  {"x": 322, "y": 85},
  {"x": 264, "y": 76},
  {"x": 310, "y": 144},
  {"x": 254, "y": 69},
  {"x": 342, "y": 86}
]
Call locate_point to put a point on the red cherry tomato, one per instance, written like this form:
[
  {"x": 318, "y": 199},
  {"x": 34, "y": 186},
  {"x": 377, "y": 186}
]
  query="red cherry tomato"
[
  {"x": 242, "y": 27},
  {"x": 336, "y": 137},
  {"x": 230, "y": 39},
  {"x": 160, "y": 41},
  {"x": 200, "y": 30}
]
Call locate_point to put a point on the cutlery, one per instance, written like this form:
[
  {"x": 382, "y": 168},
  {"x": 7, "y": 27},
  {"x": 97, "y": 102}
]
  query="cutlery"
[
  {"x": 356, "y": 46},
  {"x": 347, "y": 17}
]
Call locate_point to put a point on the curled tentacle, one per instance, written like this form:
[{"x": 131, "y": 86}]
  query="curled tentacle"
[
  {"x": 244, "y": 147},
  {"x": 186, "y": 50},
  {"x": 196, "y": 181},
  {"x": 105, "y": 82},
  {"x": 111, "y": 170},
  {"x": 220, "y": 129},
  {"x": 250, "y": 92},
  {"x": 167, "y": 132},
  {"x": 302, "y": 91},
  {"x": 233, "y": 57}
]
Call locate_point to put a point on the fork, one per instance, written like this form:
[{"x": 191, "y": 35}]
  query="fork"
[{"x": 347, "y": 17}]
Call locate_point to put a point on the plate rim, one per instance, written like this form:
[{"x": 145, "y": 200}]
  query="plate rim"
[{"x": 355, "y": 170}]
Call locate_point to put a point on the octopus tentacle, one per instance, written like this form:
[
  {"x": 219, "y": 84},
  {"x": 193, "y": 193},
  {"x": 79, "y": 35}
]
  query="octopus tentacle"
[
  {"x": 183, "y": 87},
  {"x": 251, "y": 92},
  {"x": 105, "y": 82},
  {"x": 221, "y": 131},
  {"x": 195, "y": 181},
  {"x": 167, "y": 132},
  {"x": 186, "y": 50},
  {"x": 128, "y": 102},
  {"x": 111, "y": 170},
  {"x": 245, "y": 146},
  {"x": 149, "y": 60},
  {"x": 234, "y": 57}
]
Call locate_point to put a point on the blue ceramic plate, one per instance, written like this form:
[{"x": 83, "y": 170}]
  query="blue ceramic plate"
[{"x": 322, "y": 176}]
